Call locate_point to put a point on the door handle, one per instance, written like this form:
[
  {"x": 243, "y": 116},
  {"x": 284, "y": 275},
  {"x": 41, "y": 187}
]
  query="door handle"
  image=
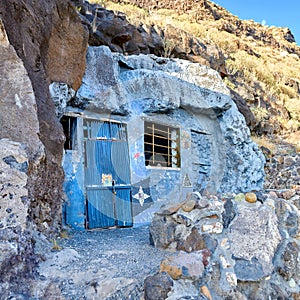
[{"x": 113, "y": 187}]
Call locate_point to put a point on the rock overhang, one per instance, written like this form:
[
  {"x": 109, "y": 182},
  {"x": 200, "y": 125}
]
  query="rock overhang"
[
  {"x": 181, "y": 93},
  {"x": 139, "y": 77}
]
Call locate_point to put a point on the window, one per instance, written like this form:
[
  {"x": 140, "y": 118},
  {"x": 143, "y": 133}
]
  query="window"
[
  {"x": 69, "y": 126},
  {"x": 161, "y": 145}
]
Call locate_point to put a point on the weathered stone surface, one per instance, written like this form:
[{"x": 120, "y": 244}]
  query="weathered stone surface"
[
  {"x": 162, "y": 232},
  {"x": 246, "y": 270},
  {"x": 157, "y": 286},
  {"x": 17, "y": 98},
  {"x": 16, "y": 256},
  {"x": 13, "y": 181},
  {"x": 255, "y": 257},
  {"x": 254, "y": 237},
  {"x": 289, "y": 265},
  {"x": 61, "y": 94},
  {"x": 229, "y": 212},
  {"x": 67, "y": 47},
  {"x": 188, "y": 205},
  {"x": 101, "y": 90},
  {"x": 205, "y": 291},
  {"x": 40, "y": 33},
  {"x": 169, "y": 208},
  {"x": 283, "y": 172},
  {"x": 149, "y": 84},
  {"x": 250, "y": 171},
  {"x": 193, "y": 242},
  {"x": 184, "y": 265}
]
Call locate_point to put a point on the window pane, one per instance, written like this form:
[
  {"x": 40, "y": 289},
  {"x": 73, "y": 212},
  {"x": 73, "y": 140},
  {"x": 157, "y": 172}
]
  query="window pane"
[{"x": 161, "y": 144}]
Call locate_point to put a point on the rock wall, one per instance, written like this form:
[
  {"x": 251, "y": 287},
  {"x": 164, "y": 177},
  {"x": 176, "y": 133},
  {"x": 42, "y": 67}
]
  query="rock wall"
[
  {"x": 17, "y": 260},
  {"x": 49, "y": 39},
  {"x": 243, "y": 246},
  {"x": 40, "y": 41},
  {"x": 141, "y": 85}
]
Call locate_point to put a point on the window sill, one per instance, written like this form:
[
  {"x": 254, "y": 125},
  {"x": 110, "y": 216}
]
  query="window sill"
[{"x": 163, "y": 168}]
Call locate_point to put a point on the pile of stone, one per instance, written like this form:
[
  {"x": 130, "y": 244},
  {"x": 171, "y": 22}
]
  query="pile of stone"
[
  {"x": 230, "y": 246},
  {"x": 283, "y": 170}
]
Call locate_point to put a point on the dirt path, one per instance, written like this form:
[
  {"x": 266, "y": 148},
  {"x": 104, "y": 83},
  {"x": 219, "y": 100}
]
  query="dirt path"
[{"x": 105, "y": 264}]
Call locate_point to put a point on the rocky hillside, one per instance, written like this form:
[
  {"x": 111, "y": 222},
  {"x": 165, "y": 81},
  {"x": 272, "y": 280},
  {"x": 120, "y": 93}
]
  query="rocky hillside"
[{"x": 258, "y": 63}]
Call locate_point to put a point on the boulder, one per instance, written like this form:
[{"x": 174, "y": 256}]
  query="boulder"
[
  {"x": 254, "y": 237},
  {"x": 158, "y": 286}
]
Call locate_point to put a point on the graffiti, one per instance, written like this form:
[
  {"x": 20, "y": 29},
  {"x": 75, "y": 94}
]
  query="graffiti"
[{"x": 141, "y": 196}]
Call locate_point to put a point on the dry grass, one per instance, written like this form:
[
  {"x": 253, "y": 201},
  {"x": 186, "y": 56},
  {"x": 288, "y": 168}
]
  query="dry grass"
[{"x": 265, "y": 142}]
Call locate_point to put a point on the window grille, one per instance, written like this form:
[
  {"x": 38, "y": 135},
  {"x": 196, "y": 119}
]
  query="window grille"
[{"x": 161, "y": 145}]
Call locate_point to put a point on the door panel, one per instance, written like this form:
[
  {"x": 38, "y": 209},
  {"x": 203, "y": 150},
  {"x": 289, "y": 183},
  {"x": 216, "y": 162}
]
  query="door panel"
[
  {"x": 123, "y": 207},
  {"x": 100, "y": 208},
  {"x": 107, "y": 175}
]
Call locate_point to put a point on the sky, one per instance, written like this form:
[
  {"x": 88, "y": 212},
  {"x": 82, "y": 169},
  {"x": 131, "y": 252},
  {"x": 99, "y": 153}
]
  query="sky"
[{"x": 267, "y": 12}]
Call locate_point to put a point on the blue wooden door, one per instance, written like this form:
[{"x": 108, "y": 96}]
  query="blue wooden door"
[{"x": 107, "y": 175}]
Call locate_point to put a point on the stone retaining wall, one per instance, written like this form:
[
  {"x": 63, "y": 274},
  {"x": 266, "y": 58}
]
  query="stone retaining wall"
[{"x": 243, "y": 246}]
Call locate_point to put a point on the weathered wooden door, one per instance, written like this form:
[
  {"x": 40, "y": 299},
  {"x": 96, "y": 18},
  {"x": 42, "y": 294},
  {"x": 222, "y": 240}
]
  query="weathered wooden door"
[{"x": 107, "y": 175}]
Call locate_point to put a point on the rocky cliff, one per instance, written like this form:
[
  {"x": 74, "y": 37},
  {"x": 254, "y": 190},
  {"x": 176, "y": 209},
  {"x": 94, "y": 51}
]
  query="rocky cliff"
[
  {"x": 259, "y": 62},
  {"x": 40, "y": 41}
]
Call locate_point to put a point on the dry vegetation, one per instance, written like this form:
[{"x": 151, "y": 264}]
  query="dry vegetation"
[{"x": 264, "y": 70}]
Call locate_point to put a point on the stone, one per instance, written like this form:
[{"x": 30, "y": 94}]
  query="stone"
[
  {"x": 13, "y": 181},
  {"x": 67, "y": 47},
  {"x": 162, "y": 232},
  {"x": 184, "y": 265},
  {"x": 51, "y": 42},
  {"x": 216, "y": 227},
  {"x": 101, "y": 91},
  {"x": 157, "y": 287},
  {"x": 246, "y": 270},
  {"x": 182, "y": 219},
  {"x": 205, "y": 291},
  {"x": 288, "y": 265},
  {"x": 250, "y": 197},
  {"x": 231, "y": 278},
  {"x": 17, "y": 96},
  {"x": 188, "y": 205},
  {"x": 193, "y": 242},
  {"x": 225, "y": 264},
  {"x": 288, "y": 194},
  {"x": 61, "y": 95},
  {"x": 169, "y": 208},
  {"x": 292, "y": 283},
  {"x": 247, "y": 155},
  {"x": 229, "y": 213},
  {"x": 273, "y": 194},
  {"x": 254, "y": 238},
  {"x": 239, "y": 197}
]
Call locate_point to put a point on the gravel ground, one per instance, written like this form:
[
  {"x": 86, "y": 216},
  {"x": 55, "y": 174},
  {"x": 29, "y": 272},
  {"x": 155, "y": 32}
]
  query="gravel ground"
[{"x": 103, "y": 264}]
